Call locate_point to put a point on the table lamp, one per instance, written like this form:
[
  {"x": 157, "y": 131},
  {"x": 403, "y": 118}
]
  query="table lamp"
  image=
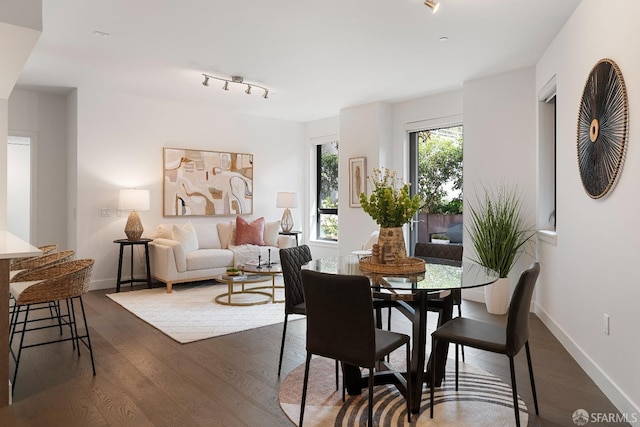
[
  {"x": 287, "y": 200},
  {"x": 134, "y": 200}
]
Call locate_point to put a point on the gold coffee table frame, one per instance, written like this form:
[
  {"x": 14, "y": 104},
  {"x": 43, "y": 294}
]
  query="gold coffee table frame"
[
  {"x": 253, "y": 278},
  {"x": 273, "y": 270}
]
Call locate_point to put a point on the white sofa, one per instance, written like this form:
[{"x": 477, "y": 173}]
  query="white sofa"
[{"x": 201, "y": 251}]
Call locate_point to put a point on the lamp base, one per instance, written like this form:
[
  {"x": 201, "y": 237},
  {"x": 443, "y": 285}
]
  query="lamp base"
[
  {"x": 133, "y": 229},
  {"x": 287, "y": 221}
]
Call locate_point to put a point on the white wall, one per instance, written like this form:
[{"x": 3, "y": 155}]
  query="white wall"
[
  {"x": 120, "y": 142},
  {"x": 500, "y": 146},
  {"x": 44, "y": 116},
  {"x": 592, "y": 270}
]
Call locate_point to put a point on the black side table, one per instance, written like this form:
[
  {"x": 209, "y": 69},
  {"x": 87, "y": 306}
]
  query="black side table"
[
  {"x": 291, "y": 233},
  {"x": 131, "y": 243}
]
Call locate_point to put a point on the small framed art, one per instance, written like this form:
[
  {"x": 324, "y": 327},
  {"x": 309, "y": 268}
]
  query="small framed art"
[{"x": 357, "y": 180}]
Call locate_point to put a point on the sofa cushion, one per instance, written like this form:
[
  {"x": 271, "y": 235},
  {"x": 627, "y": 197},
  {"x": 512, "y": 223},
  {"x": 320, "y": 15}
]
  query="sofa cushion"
[
  {"x": 209, "y": 258},
  {"x": 271, "y": 230},
  {"x": 207, "y": 235},
  {"x": 249, "y": 233},
  {"x": 185, "y": 235},
  {"x": 163, "y": 231},
  {"x": 226, "y": 233}
]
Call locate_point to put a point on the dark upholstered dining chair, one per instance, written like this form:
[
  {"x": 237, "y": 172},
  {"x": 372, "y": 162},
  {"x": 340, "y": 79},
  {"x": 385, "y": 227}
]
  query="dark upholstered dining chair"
[
  {"x": 292, "y": 260},
  {"x": 341, "y": 326},
  {"x": 497, "y": 339},
  {"x": 450, "y": 254}
]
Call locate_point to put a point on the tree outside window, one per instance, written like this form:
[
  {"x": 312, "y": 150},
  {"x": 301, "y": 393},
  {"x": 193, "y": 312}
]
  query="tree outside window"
[
  {"x": 440, "y": 170},
  {"x": 327, "y": 191}
]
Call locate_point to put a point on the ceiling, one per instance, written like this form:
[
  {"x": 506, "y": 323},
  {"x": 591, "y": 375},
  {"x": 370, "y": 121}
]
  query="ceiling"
[{"x": 316, "y": 57}]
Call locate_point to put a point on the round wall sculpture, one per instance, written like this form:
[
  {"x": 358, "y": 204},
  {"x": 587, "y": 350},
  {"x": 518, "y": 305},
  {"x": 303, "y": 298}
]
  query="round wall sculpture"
[{"x": 603, "y": 121}]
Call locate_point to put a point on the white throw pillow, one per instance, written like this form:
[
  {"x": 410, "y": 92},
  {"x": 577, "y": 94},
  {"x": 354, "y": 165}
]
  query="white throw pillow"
[
  {"x": 271, "y": 230},
  {"x": 185, "y": 235},
  {"x": 164, "y": 231},
  {"x": 226, "y": 233},
  {"x": 207, "y": 235}
]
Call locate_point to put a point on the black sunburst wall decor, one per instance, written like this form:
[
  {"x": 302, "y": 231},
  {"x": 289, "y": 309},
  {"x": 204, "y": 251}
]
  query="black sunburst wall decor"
[{"x": 602, "y": 128}]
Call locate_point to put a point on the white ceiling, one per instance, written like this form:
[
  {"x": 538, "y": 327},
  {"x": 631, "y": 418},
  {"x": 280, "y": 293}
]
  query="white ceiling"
[{"x": 316, "y": 57}]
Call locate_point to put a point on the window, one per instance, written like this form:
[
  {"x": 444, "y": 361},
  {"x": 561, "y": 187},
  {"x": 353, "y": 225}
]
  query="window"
[
  {"x": 436, "y": 167},
  {"x": 327, "y": 191},
  {"x": 547, "y": 157}
]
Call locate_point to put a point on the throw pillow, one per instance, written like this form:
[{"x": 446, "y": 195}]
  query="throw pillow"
[
  {"x": 271, "y": 230},
  {"x": 249, "y": 233},
  {"x": 185, "y": 235},
  {"x": 164, "y": 231},
  {"x": 226, "y": 234}
]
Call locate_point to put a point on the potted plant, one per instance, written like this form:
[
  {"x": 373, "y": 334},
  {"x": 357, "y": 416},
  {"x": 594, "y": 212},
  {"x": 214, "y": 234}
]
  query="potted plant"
[
  {"x": 499, "y": 231},
  {"x": 390, "y": 206}
]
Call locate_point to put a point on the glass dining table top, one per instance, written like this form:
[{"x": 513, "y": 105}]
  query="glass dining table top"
[{"x": 436, "y": 277}]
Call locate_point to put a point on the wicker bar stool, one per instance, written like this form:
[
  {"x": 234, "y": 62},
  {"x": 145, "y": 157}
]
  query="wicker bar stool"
[
  {"x": 26, "y": 265},
  {"x": 60, "y": 282},
  {"x": 45, "y": 250}
]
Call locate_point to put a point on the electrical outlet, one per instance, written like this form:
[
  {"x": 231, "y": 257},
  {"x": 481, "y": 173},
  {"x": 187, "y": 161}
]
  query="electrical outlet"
[
  {"x": 606, "y": 324},
  {"x": 105, "y": 212}
]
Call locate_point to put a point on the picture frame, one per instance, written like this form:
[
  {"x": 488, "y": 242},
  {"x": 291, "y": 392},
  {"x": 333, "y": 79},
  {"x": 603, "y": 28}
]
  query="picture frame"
[
  {"x": 357, "y": 180},
  {"x": 206, "y": 183}
]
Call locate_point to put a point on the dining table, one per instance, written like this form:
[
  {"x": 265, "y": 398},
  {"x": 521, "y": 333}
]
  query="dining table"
[{"x": 414, "y": 295}]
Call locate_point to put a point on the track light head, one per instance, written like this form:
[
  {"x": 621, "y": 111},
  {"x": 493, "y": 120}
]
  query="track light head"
[
  {"x": 433, "y": 5},
  {"x": 248, "y": 91},
  {"x": 226, "y": 86},
  {"x": 206, "y": 81},
  {"x": 266, "y": 94}
]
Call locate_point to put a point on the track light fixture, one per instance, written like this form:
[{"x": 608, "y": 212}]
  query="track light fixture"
[
  {"x": 236, "y": 80},
  {"x": 433, "y": 5}
]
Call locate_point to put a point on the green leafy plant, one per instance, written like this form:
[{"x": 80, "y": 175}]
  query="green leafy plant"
[
  {"x": 389, "y": 204},
  {"x": 440, "y": 237},
  {"x": 498, "y": 228}
]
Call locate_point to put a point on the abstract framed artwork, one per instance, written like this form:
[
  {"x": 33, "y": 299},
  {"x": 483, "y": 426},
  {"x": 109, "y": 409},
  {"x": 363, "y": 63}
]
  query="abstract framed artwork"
[
  {"x": 207, "y": 183},
  {"x": 357, "y": 180}
]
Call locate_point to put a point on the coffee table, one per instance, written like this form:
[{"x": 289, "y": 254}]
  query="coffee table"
[
  {"x": 249, "y": 279},
  {"x": 272, "y": 270}
]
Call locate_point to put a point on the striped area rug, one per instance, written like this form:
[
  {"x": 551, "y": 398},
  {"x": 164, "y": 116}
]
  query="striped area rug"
[{"x": 482, "y": 399}]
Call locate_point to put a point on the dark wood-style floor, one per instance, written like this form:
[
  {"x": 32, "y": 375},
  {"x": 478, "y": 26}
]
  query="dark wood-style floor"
[{"x": 145, "y": 378}]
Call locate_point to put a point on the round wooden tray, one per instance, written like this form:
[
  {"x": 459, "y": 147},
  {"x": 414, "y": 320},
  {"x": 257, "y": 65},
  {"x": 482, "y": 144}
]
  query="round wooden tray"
[{"x": 407, "y": 265}]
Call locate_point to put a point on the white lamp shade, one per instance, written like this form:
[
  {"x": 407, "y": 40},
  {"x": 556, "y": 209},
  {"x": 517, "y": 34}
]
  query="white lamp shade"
[
  {"x": 133, "y": 199},
  {"x": 287, "y": 200}
]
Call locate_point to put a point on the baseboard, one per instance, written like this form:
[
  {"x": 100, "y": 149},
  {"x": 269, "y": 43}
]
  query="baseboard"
[
  {"x": 621, "y": 401},
  {"x": 476, "y": 295},
  {"x": 102, "y": 284}
]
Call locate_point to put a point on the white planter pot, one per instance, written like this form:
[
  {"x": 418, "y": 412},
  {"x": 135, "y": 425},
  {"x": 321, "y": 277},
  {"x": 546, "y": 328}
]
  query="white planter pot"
[
  {"x": 440, "y": 241},
  {"x": 496, "y": 296}
]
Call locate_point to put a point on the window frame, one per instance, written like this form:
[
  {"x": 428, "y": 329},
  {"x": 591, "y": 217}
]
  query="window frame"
[{"x": 320, "y": 210}]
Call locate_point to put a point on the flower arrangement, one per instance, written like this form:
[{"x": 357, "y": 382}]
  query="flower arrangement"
[{"x": 389, "y": 204}]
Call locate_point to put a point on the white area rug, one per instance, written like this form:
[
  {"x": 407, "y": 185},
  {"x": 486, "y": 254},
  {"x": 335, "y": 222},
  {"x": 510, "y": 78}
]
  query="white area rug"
[
  {"x": 483, "y": 400},
  {"x": 190, "y": 313}
]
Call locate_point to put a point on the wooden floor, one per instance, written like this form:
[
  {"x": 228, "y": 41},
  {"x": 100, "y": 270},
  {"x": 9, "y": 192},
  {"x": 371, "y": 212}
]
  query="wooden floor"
[{"x": 145, "y": 378}]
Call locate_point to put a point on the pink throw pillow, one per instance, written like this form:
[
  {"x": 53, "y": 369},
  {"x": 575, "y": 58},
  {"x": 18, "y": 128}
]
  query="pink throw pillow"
[{"x": 249, "y": 233}]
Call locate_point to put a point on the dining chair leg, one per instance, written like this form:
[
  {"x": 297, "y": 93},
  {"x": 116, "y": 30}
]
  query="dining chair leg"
[
  {"x": 409, "y": 390},
  {"x": 432, "y": 382},
  {"x": 284, "y": 333},
  {"x": 533, "y": 383},
  {"x": 457, "y": 367},
  {"x": 370, "y": 424},
  {"x": 514, "y": 391},
  {"x": 74, "y": 326},
  {"x": 460, "y": 315},
  {"x": 337, "y": 383},
  {"x": 304, "y": 387}
]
